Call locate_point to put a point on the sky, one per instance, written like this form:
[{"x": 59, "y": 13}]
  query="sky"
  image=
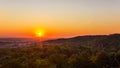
[{"x": 59, "y": 18}]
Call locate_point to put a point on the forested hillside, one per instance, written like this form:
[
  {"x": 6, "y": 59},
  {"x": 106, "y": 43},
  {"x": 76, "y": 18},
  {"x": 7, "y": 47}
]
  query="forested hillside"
[
  {"x": 79, "y": 52},
  {"x": 93, "y": 41}
]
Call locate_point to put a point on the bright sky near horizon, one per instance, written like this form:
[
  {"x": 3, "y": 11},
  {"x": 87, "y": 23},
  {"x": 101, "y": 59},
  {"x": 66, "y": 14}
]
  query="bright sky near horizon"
[{"x": 59, "y": 18}]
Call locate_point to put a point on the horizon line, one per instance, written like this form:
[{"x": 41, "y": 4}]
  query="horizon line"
[{"x": 59, "y": 37}]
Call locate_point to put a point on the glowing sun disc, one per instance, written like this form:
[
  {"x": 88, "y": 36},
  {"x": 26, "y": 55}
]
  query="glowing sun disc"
[{"x": 40, "y": 33}]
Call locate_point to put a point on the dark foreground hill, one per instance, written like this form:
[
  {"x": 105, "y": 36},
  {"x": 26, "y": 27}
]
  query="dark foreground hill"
[{"x": 97, "y": 41}]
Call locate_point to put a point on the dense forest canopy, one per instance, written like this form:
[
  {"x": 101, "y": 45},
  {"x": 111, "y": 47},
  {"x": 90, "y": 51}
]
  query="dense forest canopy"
[{"x": 79, "y": 52}]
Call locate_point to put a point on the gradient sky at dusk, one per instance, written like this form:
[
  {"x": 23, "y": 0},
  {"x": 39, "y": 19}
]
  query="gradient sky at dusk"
[{"x": 59, "y": 18}]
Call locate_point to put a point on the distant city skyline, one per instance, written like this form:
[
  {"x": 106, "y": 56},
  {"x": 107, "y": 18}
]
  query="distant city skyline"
[{"x": 59, "y": 18}]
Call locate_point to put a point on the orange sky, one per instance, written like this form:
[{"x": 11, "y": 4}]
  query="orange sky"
[{"x": 61, "y": 18}]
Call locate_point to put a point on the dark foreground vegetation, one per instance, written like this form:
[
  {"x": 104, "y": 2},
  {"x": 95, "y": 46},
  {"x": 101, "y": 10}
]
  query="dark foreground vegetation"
[
  {"x": 92, "y": 54},
  {"x": 58, "y": 57}
]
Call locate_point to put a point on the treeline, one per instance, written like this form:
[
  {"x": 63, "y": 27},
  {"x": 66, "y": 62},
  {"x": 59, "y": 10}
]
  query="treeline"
[{"x": 53, "y": 56}]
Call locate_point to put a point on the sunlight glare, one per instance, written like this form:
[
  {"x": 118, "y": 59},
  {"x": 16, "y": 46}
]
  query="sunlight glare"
[{"x": 39, "y": 33}]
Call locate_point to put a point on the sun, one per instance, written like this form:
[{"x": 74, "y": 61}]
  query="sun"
[{"x": 40, "y": 33}]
